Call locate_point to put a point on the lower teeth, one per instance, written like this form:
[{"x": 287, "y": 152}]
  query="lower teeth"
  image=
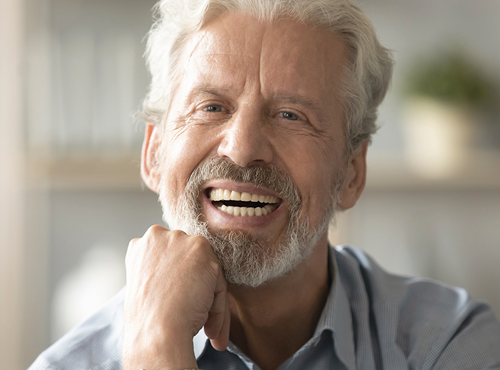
[{"x": 246, "y": 211}]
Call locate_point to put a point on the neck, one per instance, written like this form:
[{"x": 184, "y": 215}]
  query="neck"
[{"x": 270, "y": 323}]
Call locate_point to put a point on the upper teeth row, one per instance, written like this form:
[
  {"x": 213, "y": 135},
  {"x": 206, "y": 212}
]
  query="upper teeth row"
[{"x": 224, "y": 194}]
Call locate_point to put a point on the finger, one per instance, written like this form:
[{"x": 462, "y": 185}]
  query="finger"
[
  {"x": 216, "y": 317},
  {"x": 132, "y": 243},
  {"x": 222, "y": 341},
  {"x": 217, "y": 312},
  {"x": 128, "y": 255}
]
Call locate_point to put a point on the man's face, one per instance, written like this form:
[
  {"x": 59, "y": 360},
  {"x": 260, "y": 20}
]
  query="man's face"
[{"x": 256, "y": 95}]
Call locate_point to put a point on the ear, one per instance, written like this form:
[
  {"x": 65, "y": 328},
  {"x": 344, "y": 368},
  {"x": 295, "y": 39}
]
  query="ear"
[
  {"x": 355, "y": 180},
  {"x": 149, "y": 166}
]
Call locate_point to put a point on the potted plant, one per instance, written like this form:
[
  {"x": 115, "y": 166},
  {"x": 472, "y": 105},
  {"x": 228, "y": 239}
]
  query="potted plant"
[{"x": 445, "y": 95}]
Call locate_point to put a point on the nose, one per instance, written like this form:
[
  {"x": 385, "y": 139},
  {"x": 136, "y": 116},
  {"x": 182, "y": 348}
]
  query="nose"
[{"x": 246, "y": 139}]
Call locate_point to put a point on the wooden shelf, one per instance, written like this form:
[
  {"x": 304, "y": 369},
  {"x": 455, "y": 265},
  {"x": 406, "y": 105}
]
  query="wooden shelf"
[
  {"x": 86, "y": 173},
  {"x": 480, "y": 170}
]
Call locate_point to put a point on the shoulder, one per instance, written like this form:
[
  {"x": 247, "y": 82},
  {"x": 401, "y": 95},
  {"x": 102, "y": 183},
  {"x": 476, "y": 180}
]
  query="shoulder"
[
  {"x": 431, "y": 324},
  {"x": 359, "y": 270},
  {"x": 94, "y": 344}
]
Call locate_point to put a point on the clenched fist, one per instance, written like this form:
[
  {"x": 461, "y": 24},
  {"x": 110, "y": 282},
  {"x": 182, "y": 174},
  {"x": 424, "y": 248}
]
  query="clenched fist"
[{"x": 175, "y": 287}]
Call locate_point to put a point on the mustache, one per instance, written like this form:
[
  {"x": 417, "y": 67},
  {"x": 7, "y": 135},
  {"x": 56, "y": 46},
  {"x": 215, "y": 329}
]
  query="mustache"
[{"x": 269, "y": 177}]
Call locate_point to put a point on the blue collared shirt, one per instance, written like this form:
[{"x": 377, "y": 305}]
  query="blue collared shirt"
[{"x": 371, "y": 320}]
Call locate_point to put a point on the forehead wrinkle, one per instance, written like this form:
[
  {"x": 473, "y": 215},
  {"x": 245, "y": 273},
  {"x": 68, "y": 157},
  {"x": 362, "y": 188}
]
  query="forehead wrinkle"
[
  {"x": 218, "y": 39},
  {"x": 217, "y": 78},
  {"x": 287, "y": 69},
  {"x": 204, "y": 43},
  {"x": 194, "y": 42},
  {"x": 261, "y": 60},
  {"x": 308, "y": 57}
]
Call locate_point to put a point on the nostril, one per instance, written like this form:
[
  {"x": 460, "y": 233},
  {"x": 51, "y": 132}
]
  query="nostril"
[{"x": 246, "y": 141}]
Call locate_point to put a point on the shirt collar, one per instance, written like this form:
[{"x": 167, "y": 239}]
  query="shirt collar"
[
  {"x": 200, "y": 343},
  {"x": 336, "y": 316}
]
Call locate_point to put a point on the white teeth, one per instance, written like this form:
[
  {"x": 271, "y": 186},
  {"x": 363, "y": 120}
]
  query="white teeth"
[
  {"x": 216, "y": 194},
  {"x": 246, "y": 197},
  {"x": 225, "y": 194},
  {"x": 246, "y": 211},
  {"x": 219, "y": 195},
  {"x": 235, "y": 195}
]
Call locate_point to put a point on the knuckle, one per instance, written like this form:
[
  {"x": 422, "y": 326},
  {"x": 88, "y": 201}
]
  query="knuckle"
[
  {"x": 177, "y": 234},
  {"x": 130, "y": 249},
  {"x": 200, "y": 247},
  {"x": 202, "y": 255},
  {"x": 155, "y": 234},
  {"x": 199, "y": 241},
  {"x": 155, "y": 229},
  {"x": 133, "y": 242}
]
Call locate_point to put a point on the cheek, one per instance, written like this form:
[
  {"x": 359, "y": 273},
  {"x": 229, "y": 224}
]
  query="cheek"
[
  {"x": 315, "y": 188},
  {"x": 182, "y": 153},
  {"x": 313, "y": 167}
]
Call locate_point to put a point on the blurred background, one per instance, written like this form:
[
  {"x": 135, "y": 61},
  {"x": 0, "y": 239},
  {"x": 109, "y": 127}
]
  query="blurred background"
[{"x": 71, "y": 197}]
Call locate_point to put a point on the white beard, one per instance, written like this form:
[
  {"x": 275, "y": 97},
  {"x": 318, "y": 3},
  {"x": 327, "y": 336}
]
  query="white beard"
[{"x": 245, "y": 258}]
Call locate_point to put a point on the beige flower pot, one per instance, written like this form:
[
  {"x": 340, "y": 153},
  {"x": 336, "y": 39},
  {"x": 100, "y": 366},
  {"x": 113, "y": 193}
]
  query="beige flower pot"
[{"x": 439, "y": 136}]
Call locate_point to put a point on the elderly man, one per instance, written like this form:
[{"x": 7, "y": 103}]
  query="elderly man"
[{"x": 258, "y": 121}]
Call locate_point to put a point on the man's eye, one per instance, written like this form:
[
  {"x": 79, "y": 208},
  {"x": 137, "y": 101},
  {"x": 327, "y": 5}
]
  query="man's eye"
[
  {"x": 213, "y": 108},
  {"x": 290, "y": 116}
]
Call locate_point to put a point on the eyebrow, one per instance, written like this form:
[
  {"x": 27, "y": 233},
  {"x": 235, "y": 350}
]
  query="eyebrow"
[
  {"x": 302, "y": 100},
  {"x": 210, "y": 90},
  {"x": 314, "y": 106}
]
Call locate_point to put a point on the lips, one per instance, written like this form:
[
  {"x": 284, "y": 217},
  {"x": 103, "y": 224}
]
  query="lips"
[{"x": 243, "y": 204}]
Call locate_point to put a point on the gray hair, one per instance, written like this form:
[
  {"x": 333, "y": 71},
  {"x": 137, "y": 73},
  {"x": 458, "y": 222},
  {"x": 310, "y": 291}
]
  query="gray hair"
[{"x": 365, "y": 81}]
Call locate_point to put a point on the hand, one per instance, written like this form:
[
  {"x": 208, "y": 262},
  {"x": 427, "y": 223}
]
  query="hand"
[{"x": 175, "y": 286}]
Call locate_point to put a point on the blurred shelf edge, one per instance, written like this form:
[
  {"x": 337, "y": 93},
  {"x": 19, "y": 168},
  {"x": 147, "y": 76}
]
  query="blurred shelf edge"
[
  {"x": 84, "y": 173},
  {"x": 480, "y": 170},
  {"x": 386, "y": 171}
]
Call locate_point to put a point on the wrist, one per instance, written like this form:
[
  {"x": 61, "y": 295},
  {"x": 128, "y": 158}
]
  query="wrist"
[{"x": 175, "y": 354}]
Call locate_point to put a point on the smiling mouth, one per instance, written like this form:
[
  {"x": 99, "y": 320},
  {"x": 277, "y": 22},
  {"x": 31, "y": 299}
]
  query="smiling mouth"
[{"x": 243, "y": 204}]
